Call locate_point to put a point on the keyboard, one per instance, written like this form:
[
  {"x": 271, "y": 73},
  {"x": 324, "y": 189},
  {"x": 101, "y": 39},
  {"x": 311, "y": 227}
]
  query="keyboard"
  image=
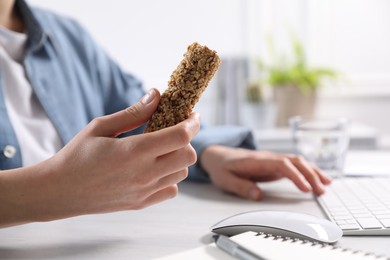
[{"x": 358, "y": 205}]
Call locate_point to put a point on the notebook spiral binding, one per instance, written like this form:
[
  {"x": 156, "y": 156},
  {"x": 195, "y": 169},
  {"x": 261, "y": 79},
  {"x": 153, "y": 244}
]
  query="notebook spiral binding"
[{"x": 323, "y": 245}]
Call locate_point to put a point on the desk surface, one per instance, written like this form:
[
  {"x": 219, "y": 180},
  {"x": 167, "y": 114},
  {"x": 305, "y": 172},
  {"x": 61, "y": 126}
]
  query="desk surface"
[{"x": 176, "y": 225}]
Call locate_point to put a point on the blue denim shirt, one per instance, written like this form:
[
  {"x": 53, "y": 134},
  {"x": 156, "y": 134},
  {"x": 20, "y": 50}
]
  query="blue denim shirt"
[{"x": 76, "y": 81}]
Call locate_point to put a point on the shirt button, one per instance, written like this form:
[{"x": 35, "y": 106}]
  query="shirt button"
[{"x": 9, "y": 151}]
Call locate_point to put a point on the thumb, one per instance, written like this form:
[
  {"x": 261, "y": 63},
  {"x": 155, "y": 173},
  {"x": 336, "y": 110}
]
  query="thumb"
[
  {"x": 241, "y": 187},
  {"x": 129, "y": 118}
]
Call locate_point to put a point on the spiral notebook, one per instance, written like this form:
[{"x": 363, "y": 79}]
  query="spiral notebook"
[{"x": 276, "y": 248}]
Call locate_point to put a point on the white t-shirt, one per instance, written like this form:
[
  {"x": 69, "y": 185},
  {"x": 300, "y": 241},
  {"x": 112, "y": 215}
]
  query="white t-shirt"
[{"x": 38, "y": 139}]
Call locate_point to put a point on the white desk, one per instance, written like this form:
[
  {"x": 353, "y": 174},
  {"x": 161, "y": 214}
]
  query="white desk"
[{"x": 176, "y": 225}]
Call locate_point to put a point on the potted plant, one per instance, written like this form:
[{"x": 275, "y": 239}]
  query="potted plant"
[{"x": 294, "y": 83}]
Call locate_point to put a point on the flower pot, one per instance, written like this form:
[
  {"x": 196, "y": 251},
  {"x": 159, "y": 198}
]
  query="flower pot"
[{"x": 290, "y": 101}]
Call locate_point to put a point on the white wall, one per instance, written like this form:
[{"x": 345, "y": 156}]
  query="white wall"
[
  {"x": 148, "y": 38},
  {"x": 354, "y": 36}
]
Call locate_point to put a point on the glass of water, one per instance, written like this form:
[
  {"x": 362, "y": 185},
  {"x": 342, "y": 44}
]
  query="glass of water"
[{"x": 322, "y": 141}]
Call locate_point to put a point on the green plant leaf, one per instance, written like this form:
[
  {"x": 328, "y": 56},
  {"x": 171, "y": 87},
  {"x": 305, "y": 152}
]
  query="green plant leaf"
[{"x": 279, "y": 71}]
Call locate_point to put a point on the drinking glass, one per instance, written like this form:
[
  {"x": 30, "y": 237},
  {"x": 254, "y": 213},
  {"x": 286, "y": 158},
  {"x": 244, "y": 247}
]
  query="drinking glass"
[{"x": 322, "y": 141}]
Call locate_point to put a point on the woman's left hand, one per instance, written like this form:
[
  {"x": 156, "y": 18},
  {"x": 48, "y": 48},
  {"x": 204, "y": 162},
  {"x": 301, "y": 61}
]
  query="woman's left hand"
[{"x": 237, "y": 170}]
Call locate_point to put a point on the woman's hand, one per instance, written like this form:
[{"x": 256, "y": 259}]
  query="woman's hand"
[
  {"x": 238, "y": 170},
  {"x": 97, "y": 172}
]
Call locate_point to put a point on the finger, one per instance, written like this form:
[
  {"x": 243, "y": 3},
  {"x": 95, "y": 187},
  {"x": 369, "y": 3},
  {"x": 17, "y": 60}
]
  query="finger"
[
  {"x": 173, "y": 138},
  {"x": 176, "y": 160},
  {"x": 325, "y": 179},
  {"x": 241, "y": 187},
  {"x": 157, "y": 197},
  {"x": 171, "y": 179},
  {"x": 129, "y": 118},
  {"x": 267, "y": 178},
  {"x": 290, "y": 171},
  {"x": 311, "y": 176}
]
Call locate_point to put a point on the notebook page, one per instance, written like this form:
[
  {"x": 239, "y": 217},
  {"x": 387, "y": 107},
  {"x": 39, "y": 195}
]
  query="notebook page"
[
  {"x": 273, "y": 248},
  {"x": 208, "y": 252}
]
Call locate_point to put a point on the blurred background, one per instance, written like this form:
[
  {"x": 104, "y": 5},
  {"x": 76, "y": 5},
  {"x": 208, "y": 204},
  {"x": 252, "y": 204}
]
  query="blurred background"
[{"x": 336, "y": 53}]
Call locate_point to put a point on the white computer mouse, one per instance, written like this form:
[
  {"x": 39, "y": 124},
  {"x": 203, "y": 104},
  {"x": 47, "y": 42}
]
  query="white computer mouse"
[{"x": 280, "y": 223}]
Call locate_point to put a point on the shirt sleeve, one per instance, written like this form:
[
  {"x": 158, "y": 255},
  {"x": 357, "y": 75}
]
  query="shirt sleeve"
[{"x": 232, "y": 136}]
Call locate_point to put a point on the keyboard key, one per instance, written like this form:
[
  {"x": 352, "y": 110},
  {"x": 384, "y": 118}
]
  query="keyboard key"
[
  {"x": 369, "y": 223},
  {"x": 356, "y": 207},
  {"x": 349, "y": 226},
  {"x": 347, "y": 217},
  {"x": 341, "y": 222},
  {"x": 341, "y": 215},
  {"x": 382, "y": 216},
  {"x": 359, "y": 211},
  {"x": 385, "y": 222},
  {"x": 364, "y": 215},
  {"x": 380, "y": 211}
]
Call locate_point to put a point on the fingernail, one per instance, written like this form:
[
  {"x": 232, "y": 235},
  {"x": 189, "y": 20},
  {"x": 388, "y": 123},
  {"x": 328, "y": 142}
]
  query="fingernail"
[
  {"x": 194, "y": 117},
  {"x": 321, "y": 188},
  {"x": 308, "y": 187},
  {"x": 149, "y": 96},
  {"x": 328, "y": 178},
  {"x": 254, "y": 194}
]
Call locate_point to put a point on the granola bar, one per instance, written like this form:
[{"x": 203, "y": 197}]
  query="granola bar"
[{"x": 185, "y": 87}]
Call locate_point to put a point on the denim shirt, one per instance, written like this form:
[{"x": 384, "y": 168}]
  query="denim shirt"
[{"x": 76, "y": 81}]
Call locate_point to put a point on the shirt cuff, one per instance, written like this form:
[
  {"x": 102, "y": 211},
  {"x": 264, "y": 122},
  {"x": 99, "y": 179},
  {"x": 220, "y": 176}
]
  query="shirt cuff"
[{"x": 232, "y": 136}]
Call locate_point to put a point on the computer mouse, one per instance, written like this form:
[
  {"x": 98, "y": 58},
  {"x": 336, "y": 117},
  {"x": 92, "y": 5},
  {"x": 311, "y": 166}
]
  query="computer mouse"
[{"x": 280, "y": 223}]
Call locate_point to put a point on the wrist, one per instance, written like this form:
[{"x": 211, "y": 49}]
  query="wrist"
[
  {"x": 24, "y": 195},
  {"x": 210, "y": 155}
]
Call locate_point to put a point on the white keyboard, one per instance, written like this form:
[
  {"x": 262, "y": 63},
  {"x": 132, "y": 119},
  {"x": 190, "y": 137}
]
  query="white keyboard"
[{"x": 358, "y": 205}]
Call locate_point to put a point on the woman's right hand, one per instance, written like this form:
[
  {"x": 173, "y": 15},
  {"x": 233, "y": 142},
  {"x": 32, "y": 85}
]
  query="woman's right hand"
[{"x": 97, "y": 172}]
